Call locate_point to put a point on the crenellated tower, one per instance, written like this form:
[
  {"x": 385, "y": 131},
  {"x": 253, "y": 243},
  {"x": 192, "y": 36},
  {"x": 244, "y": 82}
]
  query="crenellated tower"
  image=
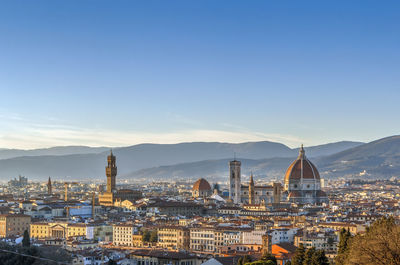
[{"x": 111, "y": 172}]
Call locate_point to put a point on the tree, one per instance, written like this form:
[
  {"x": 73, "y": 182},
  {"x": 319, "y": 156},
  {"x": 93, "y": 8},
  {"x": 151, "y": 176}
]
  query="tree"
[
  {"x": 240, "y": 261},
  {"x": 343, "y": 246},
  {"x": 146, "y": 236},
  {"x": 298, "y": 257},
  {"x": 308, "y": 255},
  {"x": 319, "y": 258},
  {"x": 153, "y": 236},
  {"x": 269, "y": 257},
  {"x": 379, "y": 245},
  {"x": 26, "y": 241}
]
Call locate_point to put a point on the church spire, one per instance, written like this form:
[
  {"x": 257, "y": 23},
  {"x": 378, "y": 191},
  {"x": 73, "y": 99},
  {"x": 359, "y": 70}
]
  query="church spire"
[
  {"x": 251, "y": 190},
  {"x": 49, "y": 188}
]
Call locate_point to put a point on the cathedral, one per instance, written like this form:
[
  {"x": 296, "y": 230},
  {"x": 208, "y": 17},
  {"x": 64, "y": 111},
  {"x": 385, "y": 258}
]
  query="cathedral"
[
  {"x": 250, "y": 194},
  {"x": 302, "y": 185},
  {"x": 302, "y": 182}
]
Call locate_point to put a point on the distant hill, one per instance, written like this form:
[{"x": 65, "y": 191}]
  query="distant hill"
[
  {"x": 329, "y": 149},
  {"x": 376, "y": 159},
  {"x": 216, "y": 169},
  {"x": 88, "y": 162},
  {"x": 52, "y": 151}
]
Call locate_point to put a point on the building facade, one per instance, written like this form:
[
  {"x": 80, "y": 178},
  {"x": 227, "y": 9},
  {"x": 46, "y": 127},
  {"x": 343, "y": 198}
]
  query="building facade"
[
  {"x": 174, "y": 237},
  {"x": 14, "y": 224},
  {"x": 122, "y": 235}
]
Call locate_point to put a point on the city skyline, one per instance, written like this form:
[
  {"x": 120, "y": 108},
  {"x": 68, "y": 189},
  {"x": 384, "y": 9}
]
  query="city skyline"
[{"x": 74, "y": 73}]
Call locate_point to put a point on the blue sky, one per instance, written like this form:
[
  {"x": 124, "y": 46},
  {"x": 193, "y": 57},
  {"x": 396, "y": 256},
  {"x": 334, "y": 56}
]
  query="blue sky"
[{"x": 125, "y": 72}]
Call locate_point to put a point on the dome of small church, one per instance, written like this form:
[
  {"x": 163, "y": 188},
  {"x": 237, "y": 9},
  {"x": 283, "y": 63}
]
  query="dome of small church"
[
  {"x": 201, "y": 188},
  {"x": 301, "y": 167},
  {"x": 201, "y": 185}
]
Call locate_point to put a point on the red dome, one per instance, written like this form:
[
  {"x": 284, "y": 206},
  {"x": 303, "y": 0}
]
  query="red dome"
[
  {"x": 301, "y": 167},
  {"x": 202, "y": 185}
]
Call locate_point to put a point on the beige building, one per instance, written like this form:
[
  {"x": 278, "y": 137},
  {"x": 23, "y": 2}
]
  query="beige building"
[
  {"x": 74, "y": 230},
  {"x": 137, "y": 240},
  {"x": 59, "y": 230},
  {"x": 322, "y": 241},
  {"x": 122, "y": 235},
  {"x": 14, "y": 224},
  {"x": 40, "y": 230},
  {"x": 202, "y": 239},
  {"x": 174, "y": 237},
  {"x": 337, "y": 226}
]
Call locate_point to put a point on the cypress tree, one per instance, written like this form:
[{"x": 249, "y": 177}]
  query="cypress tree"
[
  {"x": 26, "y": 241},
  {"x": 298, "y": 256},
  {"x": 308, "y": 255},
  {"x": 319, "y": 258}
]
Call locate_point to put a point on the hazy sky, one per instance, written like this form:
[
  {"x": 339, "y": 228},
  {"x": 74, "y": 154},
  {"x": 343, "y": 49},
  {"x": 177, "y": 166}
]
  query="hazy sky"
[{"x": 124, "y": 72}]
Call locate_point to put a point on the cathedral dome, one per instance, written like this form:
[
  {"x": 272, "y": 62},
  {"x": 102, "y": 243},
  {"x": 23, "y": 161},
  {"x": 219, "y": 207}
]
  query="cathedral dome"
[
  {"x": 201, "y": 185},
  {"x": 301, "y": 167},
  {"x": 201, "y": 188}
]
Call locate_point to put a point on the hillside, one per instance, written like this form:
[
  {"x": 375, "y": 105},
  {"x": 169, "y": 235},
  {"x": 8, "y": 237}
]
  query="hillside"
[
  {"x": 377, "y": 159},
  {"x": 151, "y": 156}
]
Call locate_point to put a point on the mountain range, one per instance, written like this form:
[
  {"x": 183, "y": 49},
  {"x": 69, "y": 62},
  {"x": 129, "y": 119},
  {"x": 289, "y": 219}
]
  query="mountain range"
[{"x": 201, "y": 159}]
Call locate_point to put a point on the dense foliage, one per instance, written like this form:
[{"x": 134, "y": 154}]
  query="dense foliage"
[
  {"x": 149, "y": 236},
  {"x": 14, "y": 255},
  {"x": 309, "y": 256},
  {"x": 379, "y": 245}
]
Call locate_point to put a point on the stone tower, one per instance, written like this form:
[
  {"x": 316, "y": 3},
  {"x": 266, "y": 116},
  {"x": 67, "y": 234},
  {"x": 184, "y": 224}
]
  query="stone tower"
[
  {"x": 266, "y": 244},
  {"x": 234, "y": 181},
  {"x": 277, "y": 192},
  {"x": 111, "y": 172},
  {"x": 251, "y": 190},
  {"x": 49, "y": 188}
]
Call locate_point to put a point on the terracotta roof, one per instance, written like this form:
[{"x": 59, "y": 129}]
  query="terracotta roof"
[
  {"x": 301, "y": 166},
  {"x": 202, "y": 184},
  {"x": 287, "y": 246}
]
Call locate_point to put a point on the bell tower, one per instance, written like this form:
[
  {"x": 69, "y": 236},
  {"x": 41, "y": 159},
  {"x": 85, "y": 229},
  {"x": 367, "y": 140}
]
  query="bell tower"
[
  {"x": 49, "y": 188},
  {"x": 251, "y": 190},
  {"x": 234, "y": 181},
  {"x": 111, "y": 172}
]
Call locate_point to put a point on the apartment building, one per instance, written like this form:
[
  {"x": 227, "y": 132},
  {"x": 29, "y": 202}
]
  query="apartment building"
[
  {"x": 174, "y": 237},
  {"x": 14, "y": 224},
  {"x": 202, "y": 239},
  {"x": 122, "y": 234}
]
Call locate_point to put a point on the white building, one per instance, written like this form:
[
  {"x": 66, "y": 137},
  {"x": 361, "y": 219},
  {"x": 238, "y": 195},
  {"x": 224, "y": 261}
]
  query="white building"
[
  {"x": 281, "y": 235},
  {"x": 253, "y": 237},
  {"x": 122, "y": 234},
  {"x": 202, "y": 239}
]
